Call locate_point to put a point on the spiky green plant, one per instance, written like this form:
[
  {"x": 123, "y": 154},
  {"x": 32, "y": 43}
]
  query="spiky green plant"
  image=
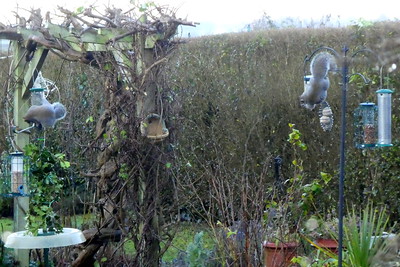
[{"x": 362, "y": 234}]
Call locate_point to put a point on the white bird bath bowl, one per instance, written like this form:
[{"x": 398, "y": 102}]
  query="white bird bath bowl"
[{"x": 23, "y": 240}]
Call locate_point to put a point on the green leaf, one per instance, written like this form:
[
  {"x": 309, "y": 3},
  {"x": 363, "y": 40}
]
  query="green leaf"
[
  {"x": 80, "y": 10},
  {"x": 89, "y": 119},
  {"x": 65, "y": 164},
  {"x": 231, "y": 233},
  {"x": 168, "y": 165},
  {"x": 326, "y": 177}
]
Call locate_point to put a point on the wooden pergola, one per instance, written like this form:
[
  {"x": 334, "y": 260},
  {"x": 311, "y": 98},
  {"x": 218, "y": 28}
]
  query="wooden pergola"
[{"x": 32, "y": 42}]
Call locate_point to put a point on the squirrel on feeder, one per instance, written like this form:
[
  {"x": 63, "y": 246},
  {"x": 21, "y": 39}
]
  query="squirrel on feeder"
[
  {"x": 315, "y": 91},
  {"x": 46, "y": 114}
]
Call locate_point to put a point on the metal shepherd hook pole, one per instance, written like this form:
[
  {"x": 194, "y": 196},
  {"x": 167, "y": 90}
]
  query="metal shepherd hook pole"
[{"x": 342, "y": 153}]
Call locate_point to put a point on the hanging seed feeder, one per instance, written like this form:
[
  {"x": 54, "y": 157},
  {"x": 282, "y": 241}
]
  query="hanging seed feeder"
[
  {"x": 37, "y": 96},
  {"x": 15, "y": 175},
  {"x": 384, "y": 117},
  {"x": 365, "y": 122}
]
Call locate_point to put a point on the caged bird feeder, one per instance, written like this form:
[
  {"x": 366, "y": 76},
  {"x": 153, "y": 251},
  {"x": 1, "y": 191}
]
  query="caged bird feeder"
[
  {"x": 365, "y": 122},
  {"x": 15, "y": 174}
]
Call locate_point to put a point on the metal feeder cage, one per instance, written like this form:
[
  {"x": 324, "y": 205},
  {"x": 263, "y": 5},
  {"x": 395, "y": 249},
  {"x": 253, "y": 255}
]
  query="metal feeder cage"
[
  {"x": 365, "y": 120},
  {"x": 384, "y": 117},
  {"x": 15, "y": 174}
]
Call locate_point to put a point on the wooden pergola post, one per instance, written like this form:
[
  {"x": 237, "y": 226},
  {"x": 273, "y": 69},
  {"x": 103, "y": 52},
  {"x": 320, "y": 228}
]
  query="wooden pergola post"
[{"x": 24, "y": 74}]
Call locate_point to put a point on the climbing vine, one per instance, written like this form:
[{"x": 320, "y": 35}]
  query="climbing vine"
[{"x": 46, "y": 183}]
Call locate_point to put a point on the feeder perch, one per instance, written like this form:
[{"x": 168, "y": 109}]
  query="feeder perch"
[
  {"x": 153, "y": 128},
  {"x": 384, "y": 117},
  {"x": 365, "y": 121},
  {"x": 15, "y": 175}
]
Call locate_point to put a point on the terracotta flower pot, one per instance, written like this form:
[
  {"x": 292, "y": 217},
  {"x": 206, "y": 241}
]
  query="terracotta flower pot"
[
  {"x": 327, "y": 243},
  {"x": 280, "y": 254}
]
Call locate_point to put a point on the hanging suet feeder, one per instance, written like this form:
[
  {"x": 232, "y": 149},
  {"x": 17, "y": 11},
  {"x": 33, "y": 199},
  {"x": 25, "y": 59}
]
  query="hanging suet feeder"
[
  {"x": 15, "y": 175},
  {"x": 365, "y": 122},
  {"x": 153, "y": 127},
  {"x": 384, "y": 117},
  {"x": 325, "y": 116}
]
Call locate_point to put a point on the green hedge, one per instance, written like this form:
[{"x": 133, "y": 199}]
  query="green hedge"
[{"x": 238, "y": 92}]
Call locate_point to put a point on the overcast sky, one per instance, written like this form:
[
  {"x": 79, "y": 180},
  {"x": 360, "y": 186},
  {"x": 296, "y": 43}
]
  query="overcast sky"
[{"x": 218, "y": 16}]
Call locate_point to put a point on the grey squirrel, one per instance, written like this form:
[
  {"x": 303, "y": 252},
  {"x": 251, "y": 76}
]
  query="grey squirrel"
[
  {"x": 46, "y": 114},
  {"x": 315, "y": 90}
]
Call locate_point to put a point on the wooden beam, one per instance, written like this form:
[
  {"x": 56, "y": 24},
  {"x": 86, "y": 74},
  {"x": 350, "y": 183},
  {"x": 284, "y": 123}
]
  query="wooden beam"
[
  {"x": 34, "y": 67},
  {"x": 10, "y": 35},
  {"x": 89, "y": 35}
]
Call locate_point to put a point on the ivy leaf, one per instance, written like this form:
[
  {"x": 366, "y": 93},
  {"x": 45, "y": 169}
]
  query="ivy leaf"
[{"x": 65, "y": 164}]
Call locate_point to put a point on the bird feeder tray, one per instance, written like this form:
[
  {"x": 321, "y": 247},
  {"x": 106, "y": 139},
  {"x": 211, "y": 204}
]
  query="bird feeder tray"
[
  {"x": 153, "y": 127},
  {"x": 25, "y": 240}
]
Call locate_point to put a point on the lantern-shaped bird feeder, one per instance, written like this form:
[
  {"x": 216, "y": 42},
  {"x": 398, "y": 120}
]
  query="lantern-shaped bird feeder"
[
  {"x": 384, "y": 117},
  {"x": 365, "y": 125},
  {"x": 15, "y": 175}
]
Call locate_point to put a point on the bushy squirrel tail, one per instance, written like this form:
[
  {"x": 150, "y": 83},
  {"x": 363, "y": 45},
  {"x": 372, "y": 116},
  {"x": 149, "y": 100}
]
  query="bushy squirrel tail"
[{"x": 321, "y": 64}]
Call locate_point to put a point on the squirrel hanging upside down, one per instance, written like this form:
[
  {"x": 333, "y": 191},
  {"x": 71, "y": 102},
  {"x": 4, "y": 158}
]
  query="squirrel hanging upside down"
[
  {"x": 46, "y": 114},
  {"x": 315, "y": 91}
]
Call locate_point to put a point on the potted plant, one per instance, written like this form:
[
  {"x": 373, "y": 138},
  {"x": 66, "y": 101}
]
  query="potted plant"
[
  {"x": 282, "y": 215},
  {"x": 323, "y": 232},
  {"x": 279, "y": 254},
  {"x": 282, "y": 239}
]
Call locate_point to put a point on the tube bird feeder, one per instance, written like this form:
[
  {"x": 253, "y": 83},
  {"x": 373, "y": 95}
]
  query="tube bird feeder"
[{"x": 384, "y": 117}]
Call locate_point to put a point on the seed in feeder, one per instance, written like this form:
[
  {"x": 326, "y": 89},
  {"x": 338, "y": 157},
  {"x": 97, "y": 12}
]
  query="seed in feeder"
[{"x": 369, "y": 134}]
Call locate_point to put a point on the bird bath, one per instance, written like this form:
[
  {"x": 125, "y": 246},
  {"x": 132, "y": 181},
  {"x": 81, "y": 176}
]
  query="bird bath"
[{"x": 25, "y": 240}]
